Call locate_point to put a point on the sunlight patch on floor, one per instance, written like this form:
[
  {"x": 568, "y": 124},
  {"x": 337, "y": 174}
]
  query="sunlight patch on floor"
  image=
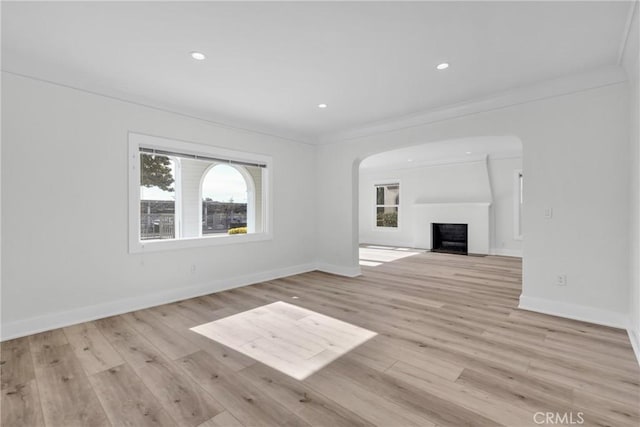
[
  {"x": 369, "y": 263},
  {"x": 373, "y": 256},
  {"x": 291, "y": 339}
]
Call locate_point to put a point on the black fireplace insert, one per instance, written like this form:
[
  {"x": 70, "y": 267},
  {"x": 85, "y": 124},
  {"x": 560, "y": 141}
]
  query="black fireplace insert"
[{"x": 449, "y": 238}]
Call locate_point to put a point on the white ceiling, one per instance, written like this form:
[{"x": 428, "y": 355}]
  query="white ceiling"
[
  {"x": 444, "y": 152},
  {"x": 269, "y": 64}
]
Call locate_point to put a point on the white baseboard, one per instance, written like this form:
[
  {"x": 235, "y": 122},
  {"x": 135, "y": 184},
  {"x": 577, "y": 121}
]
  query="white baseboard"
[
  {"x": 20, "y": 328},
  {"x": 506, "y": 252},
  {"x": 634, "y": 337},
  {"x": 339, "y": 270},
  {"x": 574, "y": 311}
]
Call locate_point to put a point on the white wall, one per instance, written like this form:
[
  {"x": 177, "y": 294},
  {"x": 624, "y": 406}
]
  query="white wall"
[
  {"x": 575, "y": 154},
  {"x": 463, "y": 182},
  {"x": 65, "y": 213},
  {"x": 501, "y": 174},
  {"x": 64, "y": 152},
  {"x": 631, "y": 64}
]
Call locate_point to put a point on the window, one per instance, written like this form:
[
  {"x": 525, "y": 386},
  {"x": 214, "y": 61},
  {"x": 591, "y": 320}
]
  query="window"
[
  {"x": 387, "y": 205},
  {"x": 157, "y": 197},
  {"x": 230, "y": 202},
  {"x": 518, "y": 200},
  {"x": 184, "y": 194}
]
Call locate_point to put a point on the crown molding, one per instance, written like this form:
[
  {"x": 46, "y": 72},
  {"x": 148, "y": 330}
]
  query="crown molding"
[
  {"x": 629, "y": 54},
  {"x": 557, "y": 87},
  {"x": 600, "y": 77},
  {"x": 624, "y": 42},
  {"x": 218, "y": 121}
]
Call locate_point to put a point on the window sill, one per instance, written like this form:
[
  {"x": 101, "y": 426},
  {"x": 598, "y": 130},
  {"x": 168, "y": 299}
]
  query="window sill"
[
  {"x": 386, "y": 229},
  {"x": 196, "y": 242}
]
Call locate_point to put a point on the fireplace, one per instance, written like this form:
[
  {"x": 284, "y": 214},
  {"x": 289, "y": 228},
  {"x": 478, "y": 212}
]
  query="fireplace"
[{"x": 449, "y": 238}]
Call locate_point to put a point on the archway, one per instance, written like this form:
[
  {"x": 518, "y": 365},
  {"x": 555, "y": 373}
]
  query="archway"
[{"x": 468, "y": 180}]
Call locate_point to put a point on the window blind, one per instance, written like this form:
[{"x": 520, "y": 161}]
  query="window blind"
[{"x": 199, "y": 157}]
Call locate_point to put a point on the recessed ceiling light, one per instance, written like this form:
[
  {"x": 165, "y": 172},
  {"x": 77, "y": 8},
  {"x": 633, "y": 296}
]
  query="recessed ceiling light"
[
  {"x": 322, "y": 105},
  {"x": 198, "y": 56},
  {"x": 468, "y": 152},
  {"x": 409, "y": 160},
  {"x": 443, "y": 66}
]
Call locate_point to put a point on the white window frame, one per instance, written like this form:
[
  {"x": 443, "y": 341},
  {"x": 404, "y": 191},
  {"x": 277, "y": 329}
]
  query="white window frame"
[
  {"x": 377, "y": 184},
  {"x": 137, "y": 140},
  {"x": 517, "y": 205}
]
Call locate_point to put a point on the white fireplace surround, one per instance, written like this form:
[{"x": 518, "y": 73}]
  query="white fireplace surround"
[{"x": 476, "y": 215}]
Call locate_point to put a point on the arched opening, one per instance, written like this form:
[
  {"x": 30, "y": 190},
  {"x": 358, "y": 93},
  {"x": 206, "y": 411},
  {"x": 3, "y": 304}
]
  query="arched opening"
[
  {"x": 474, "y": 184},
  {"x": 228, "y": 202}
]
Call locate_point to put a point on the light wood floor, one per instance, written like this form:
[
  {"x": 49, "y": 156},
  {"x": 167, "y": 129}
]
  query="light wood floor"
[
  {"x": 451, "y": 350},
  {"x": 291, "y": 339}
]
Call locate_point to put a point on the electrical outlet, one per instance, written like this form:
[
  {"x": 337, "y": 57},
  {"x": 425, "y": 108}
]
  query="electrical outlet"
[
  {"x": 561, "y": 280},
  {"x": 548, "y": 213}
]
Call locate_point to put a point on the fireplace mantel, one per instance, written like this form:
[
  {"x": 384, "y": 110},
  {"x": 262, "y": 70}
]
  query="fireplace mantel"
[{"x": 475, "y": 214}]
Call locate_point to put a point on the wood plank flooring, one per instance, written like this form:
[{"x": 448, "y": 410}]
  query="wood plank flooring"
[
  {"x": 288, "y": 338},
  {"x": 452, "y": 349}
]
